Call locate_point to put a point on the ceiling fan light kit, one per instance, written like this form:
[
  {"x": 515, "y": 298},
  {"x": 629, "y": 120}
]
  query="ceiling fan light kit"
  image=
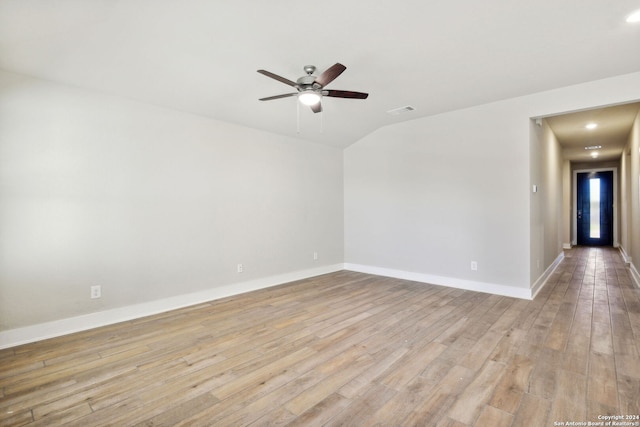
[
  {"x": 309, "y": 97},
  {"x": 311, "y": 88}
]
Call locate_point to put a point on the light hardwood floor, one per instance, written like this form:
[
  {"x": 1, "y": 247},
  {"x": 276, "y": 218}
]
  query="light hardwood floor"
[{"x": 349, "y": 349}]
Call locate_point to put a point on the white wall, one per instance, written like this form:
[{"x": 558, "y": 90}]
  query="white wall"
[
  {"x": 149, "y": 203},
  {"x": 154, "y": 204},
  {"x": 567, "y": 209},
  {"x": 630, "y": 209},
  {"x": 552, "y": 184},
  {"x": 546, "y": 204},
  {"x": 426, "y": 197},
  {"x": 431, "y": 195}
]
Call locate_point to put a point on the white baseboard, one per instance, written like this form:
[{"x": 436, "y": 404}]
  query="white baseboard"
[
  {"x": 566, "y": 246},
  {"x": 625, "y": 257},
  {"x": 542, "y": 280},
  {"x": 635, "y": 275},
  {"x": 56, "y": 328},
  {"x": 510, "y": 291},
  {"x": 633, "y": 271}
]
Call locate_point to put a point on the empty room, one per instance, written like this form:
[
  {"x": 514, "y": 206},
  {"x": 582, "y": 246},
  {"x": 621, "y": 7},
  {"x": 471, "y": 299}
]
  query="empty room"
[{"x": 349, "y": 213}]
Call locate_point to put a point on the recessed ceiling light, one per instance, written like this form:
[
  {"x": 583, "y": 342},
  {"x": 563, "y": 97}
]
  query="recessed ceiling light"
[
  {"x": 591, "y": 126},
  {"x": 634, "y": 17},
  {"x": 593, "y": 147},
  {"x": 594, "y": 154}
]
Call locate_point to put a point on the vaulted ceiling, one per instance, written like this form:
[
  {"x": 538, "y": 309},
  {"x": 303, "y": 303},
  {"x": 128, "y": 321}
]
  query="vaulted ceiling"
[{"x": 201, "y": 56}]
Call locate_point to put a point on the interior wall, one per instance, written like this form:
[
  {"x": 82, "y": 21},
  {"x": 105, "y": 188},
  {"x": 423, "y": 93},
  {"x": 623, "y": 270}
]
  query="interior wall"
[
  {"x": 630, "y": 209},
  {"x": 536, "y": 197},
  {"x": 625, "y": 200},
  {"x": 552, "y": 193},
  {"x": 434, "y": 194},
  {"x": 547, "y": 199},
  {"x": 567, "y": 206},
  {"x": 424, "y": 198},
  {"x": 149, "y": 203},
  {"x": 152, "y": 203}
]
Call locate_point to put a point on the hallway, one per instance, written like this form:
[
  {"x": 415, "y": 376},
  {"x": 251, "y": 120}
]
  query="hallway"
[{"x": 591, "y": 353}]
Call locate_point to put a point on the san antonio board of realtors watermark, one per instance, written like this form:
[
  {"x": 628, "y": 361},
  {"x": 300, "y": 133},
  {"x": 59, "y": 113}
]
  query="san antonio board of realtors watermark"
[{"x": 604, "y": 421}]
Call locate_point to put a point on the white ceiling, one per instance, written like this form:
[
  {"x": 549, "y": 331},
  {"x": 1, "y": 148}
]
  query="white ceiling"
[{"x": 201, "y": 56}]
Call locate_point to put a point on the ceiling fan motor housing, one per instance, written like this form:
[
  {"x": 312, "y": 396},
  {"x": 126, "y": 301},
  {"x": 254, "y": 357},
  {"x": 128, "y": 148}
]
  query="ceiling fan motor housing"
[{"x": 306, "y": 80}]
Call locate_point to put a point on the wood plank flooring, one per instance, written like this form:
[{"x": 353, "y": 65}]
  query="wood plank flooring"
[{"x": 349, "y": 349}]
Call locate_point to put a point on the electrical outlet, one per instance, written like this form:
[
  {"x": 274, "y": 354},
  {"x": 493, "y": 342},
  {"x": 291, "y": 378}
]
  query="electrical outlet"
[
  {"x": 315, "y": 256},
  {"x": 96, "y": 292},
  {"x": 474, "y": 265},
  {"x": 240, "y": 268}
]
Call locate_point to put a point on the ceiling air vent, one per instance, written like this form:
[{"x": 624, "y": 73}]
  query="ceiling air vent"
[{"x": 401, "y": 110}]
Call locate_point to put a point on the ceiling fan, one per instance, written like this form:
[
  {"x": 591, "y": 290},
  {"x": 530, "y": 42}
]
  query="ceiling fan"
[{"x": 311, "y": 88}]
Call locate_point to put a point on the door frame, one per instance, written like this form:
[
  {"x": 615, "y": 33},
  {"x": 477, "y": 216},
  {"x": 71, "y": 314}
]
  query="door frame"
[{"x": 574, "y": 203}]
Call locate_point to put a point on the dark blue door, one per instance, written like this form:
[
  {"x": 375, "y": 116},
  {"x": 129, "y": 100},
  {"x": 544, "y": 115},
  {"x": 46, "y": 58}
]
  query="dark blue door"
[{"x": 595, "y": 208}]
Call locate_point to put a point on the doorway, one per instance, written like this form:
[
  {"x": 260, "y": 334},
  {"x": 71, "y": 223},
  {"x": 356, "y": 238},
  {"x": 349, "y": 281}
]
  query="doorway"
[{"x": 595, "y": 208}]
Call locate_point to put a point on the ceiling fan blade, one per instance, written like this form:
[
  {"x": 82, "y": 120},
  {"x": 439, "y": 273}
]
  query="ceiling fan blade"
[
  {"x": 316, "y": 108},
  {"x": 278, "y": 78},
  {"x": 270, "y": 98},
  {"x": 345, "y": 94},
  {"x": 330, "y": 74}
]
